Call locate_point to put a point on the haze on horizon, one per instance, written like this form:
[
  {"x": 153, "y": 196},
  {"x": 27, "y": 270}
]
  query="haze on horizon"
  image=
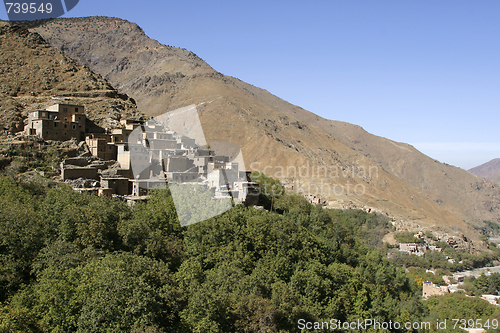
[{"x": 423, "y": 73}]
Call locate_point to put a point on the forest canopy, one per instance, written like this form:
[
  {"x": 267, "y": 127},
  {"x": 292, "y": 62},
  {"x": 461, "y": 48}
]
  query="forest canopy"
[{"x": 73, "y": 262}]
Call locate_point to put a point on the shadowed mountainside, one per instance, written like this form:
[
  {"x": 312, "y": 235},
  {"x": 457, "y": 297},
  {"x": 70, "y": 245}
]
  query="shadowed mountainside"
[{"x": 275, "y": 134}]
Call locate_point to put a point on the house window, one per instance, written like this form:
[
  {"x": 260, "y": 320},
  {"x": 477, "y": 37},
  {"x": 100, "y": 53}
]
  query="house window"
[
  {"x": 76, "y": 110},
  {"x": 74, "y": 126},
  {"x": 43, "y": 114},
  {"x": 65, "y": 125},
  {"x": 55, "y": 124},
  {"x": 65, "y": 109}
]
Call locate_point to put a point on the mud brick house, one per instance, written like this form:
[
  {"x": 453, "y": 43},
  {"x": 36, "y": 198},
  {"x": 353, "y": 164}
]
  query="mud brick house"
[{"x": 58, "y": 122}]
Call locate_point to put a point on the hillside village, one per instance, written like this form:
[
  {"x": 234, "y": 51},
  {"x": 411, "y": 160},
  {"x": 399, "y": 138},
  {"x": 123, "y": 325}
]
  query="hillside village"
[
  {"x": 111, "y": 163},
  {"x": 114, "y": 164}
]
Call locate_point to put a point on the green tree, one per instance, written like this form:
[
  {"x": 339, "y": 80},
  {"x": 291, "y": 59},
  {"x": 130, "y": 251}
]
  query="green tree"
[
  {"x": 153, "y": 229},
  {"x": 292, "y": 202},
  {"x": 270, "y": 189},
  {"x": 116, "y": 293},
  {"x": 86, "y": 220},
  {"x": 21, "y": 234}
]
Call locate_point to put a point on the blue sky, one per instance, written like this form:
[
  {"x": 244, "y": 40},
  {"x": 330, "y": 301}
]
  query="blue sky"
[{"x": 422, "y": 72}]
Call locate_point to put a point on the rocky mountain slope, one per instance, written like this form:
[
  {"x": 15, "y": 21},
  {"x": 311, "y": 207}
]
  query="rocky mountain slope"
[
  {"x": 35, "y": 75},
  {"x": 465, "y": 195},
  {"x": 488, "y": 169},
  {"x": 275, "y": 134},
  {"x": 495, "y": 178}
]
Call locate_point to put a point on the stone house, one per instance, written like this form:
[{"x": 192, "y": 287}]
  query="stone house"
[
  {"x": 492, "y": 299},
  {"x": 182, "y": 177},
  {"x": 431, "y": 289},
  {"x": 222, "y": 178},
  {"x": 178, "y": 164},
  {"x": 59, "y": 122},
  {"x": 79, "y": 172},
  {"x": 408, "y": 247},
  {"x": 162, "y": 144},
  {"x": 201, "y": 162},
  {"x": 116, "y": 185},
  {"x": 132, "y": 154},
  {"x": 186, "y": 142},
  {"x": 130, "y": 124},
  {"x": 413, "y": 248},
  {"x": 120, "y": 134},
  {"x": 102, "y": 148}
]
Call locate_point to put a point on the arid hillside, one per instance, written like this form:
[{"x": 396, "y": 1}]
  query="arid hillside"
[
  {"x": 465, "y": 195},
  {"x": 275, "y": 134},
  {"x": 34, "y": 75},
  {"x": 495, "y": 179}
]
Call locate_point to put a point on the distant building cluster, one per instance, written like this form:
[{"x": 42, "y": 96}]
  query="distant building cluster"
[
  {"x": 418, "y": 249},
  {"x": 147, "y": 158},
  {"x": 492, "y": 299},
  {"x": 431, "y": 289},
  {"x": 315, "y": 200}
]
